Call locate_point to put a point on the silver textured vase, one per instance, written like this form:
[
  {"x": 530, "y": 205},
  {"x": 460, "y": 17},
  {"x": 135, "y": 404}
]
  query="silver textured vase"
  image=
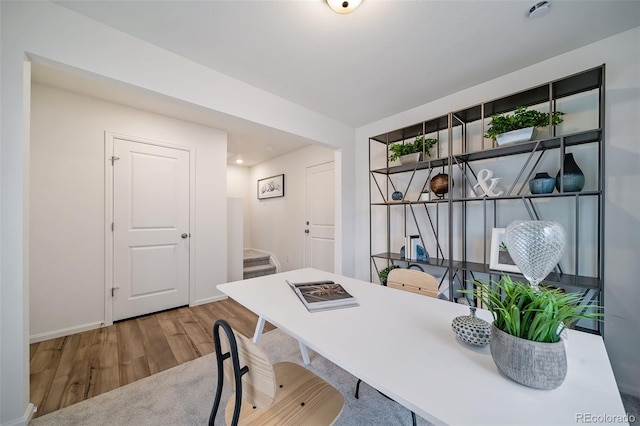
[
  {"x": 472, "y": 329},
  {"x": 534, "y": 364}
]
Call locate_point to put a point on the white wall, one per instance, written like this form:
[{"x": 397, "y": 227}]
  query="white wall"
[
  {"x": 239, "y": 186},
  {"x": 238, "y": 220},
  {"x": 235, "y": 246},
  {"x": 67, "y": 184},
  {"x": 46, "y": 30},
  {"x": 621, "y": 54},
  {"x": 277, "y": 224}
]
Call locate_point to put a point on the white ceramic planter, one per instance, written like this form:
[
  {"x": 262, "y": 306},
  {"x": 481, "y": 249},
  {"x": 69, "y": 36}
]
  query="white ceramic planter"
[
  {"x": 410, "y": 158},
  {"x": 520, "y": 135}
]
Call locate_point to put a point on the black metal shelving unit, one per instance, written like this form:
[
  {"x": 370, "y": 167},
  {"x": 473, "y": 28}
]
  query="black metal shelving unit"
[
  {"x": 447, "y": 219},
  {"x": 382, "y": 185}
]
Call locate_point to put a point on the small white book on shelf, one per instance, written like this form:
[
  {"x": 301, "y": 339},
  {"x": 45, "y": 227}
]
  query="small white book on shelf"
[
  {"x": 410, "y": 247},
  {"x": 322, "y": 295}
]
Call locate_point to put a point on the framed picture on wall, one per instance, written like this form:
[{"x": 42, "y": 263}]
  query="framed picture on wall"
[
  {"x": 271, "y": 187},
  {"x": 500, "y": 259}
]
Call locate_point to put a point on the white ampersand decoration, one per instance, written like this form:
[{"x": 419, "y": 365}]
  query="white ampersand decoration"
[{"x": 485, "y": 189}]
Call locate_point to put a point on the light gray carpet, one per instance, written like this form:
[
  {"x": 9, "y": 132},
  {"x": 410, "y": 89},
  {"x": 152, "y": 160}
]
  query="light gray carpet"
[
  {"x": 632, "y": 406},
  {"x": 183, "y": 395}
]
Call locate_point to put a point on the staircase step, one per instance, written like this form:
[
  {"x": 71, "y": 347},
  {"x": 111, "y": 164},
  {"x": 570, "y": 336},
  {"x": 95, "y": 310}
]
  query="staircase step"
[
  {"x": 258, "y": 271},
  {"x": 254, "y": 258},
  {"x": 255, "y": 261}
]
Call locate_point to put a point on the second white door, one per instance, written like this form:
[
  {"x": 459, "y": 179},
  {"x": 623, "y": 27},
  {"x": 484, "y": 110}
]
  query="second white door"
[
  {"x": 320, "y": 217},
  {"x": 151, "y": 235}
]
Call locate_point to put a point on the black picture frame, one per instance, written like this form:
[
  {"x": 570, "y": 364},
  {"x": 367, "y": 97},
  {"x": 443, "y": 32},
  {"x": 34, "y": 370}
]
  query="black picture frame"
[{"x": 271, "y": 187}]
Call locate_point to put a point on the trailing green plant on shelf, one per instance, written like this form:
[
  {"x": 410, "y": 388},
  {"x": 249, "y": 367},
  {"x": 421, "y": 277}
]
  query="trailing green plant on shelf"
[
  {"x": 384, "y": 273},
  {"x": 418, "y": 145},
  {"x": 533, "y": 314},
  {"x": 521, "y": 119}
]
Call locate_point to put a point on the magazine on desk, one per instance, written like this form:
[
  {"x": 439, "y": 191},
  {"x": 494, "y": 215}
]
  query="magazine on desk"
[{"x": 322, "y": 295}]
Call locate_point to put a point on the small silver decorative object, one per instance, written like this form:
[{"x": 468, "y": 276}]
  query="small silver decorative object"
[{"x": 472, "y": 329}]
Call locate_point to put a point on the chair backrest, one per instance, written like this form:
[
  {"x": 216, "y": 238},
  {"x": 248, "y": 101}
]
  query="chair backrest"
[
  {"x": 413, "y": 281},
  {"x": 303, "y": 397},
  {"x": 259, "y": 383}
]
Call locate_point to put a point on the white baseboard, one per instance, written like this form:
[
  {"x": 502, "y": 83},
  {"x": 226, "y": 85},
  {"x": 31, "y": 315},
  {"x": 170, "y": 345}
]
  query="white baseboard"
[
  {"x": 25, "y": 419},
  {"x": 208, "y": 300},
  {"x": 65, "y": 331},
  {"x": 93, "y": 325},
  {"x": 630, "y": 389}
]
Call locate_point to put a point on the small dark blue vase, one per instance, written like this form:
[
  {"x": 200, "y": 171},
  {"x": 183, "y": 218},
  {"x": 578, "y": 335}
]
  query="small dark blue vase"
[
  {"x": 573, "y": 178},
  {"x": 542, "y": 183},
  {"x": 397, "y": 196}
]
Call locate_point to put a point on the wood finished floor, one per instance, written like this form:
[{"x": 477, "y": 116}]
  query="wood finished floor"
[{"x": 70, "y": 369}]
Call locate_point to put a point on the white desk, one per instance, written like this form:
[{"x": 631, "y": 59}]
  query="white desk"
[{"x": 402, "y": 344}]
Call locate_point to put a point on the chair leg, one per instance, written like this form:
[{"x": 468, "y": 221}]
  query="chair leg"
[{"x": 358, "y": 388}]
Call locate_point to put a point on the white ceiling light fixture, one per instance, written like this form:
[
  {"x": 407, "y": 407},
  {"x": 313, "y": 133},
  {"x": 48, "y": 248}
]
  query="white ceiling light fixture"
[
  {"x": 539, "y": 9},
  {"x": 239, "y": 161},
  {"x": 344, "y": 6}
]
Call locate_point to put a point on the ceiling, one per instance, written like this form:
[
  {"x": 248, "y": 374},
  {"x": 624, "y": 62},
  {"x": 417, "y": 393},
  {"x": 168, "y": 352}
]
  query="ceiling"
[
  {"x": 251, "y": 142},
  {"x": 386, "y": 57}
]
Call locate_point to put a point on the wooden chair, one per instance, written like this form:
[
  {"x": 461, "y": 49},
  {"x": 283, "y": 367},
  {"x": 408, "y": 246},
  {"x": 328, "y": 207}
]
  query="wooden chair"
[
  {"x": 281, "y": 394},
  {"x": 415, "y": 282}
]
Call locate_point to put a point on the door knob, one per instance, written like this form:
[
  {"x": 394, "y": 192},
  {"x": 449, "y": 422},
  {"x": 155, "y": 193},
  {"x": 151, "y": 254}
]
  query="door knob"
[
  {"x": 184, "y": 235},
  {"x": 306, "y": 231}
]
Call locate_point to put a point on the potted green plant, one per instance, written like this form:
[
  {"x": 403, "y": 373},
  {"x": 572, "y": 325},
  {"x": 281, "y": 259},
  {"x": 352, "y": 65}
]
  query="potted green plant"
[
  {"x": 410, "y": 152},
  {"x": 384, "y": 273},
  {"x": 525, "y": 334},
  {"x": 519, "y": 126}
]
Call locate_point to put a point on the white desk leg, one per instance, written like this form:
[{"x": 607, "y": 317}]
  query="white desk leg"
[
  {"x": 304, "y": 353},
  {"x": 258, "y": 333}
]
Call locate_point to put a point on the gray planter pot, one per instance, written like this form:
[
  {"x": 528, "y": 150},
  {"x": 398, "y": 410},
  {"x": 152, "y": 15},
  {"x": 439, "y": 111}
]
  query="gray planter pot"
[{"x": 534, "y": 364}]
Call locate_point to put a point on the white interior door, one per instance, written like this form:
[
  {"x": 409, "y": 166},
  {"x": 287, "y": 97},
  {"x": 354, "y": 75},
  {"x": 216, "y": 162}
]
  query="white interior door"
[
  {"x": 320, "y": 217},
  {"x": 151, "y": 228}
]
